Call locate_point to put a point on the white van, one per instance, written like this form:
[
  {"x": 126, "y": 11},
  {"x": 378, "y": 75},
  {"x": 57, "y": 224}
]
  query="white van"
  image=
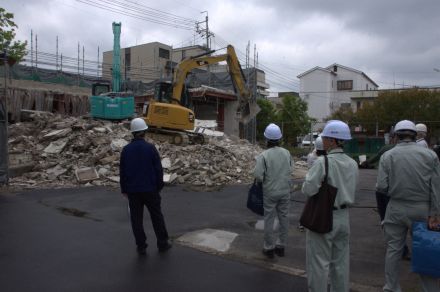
[{"x": 309, "y": 139}]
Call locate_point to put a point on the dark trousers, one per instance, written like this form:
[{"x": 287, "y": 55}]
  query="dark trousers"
[{"x": 152, "y": 201}]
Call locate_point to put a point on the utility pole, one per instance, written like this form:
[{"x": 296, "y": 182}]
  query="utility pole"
[
  {"x": 205, "y": 32},
  {"x": 57, "y": 56},
  {"x": 83, "y": 62},
  {"x": 32, "y": 51},
  {"x": 97, "y": 67},
  {"x": 78, "y": 66},
  {"x": 36, "y": 52}
]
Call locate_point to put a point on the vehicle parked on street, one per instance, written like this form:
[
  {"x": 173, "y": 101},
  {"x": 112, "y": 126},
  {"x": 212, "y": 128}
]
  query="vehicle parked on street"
[{"x": 309, "y": 140}]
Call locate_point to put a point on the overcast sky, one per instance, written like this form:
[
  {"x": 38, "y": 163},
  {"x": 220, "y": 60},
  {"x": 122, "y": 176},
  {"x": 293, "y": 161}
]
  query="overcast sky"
[{"x": 395, "y": 42}]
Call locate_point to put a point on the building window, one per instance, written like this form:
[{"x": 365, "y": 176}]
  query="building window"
[
  {"x": 183, "y": 54},
  {"x": 164, "y": 53},
  {"x": 345, "y": 84},
  {"x": 366, "y": 86},
  {"x": 358, "y": 105},
  {"x": 127, "y": 59}
]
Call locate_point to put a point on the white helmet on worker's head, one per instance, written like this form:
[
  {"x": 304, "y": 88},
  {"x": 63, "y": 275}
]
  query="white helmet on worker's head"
[
  {"x": 273, "y": 132},
  {"x": 421, "y": 128},
  {"x": 337, "y": 130},
  {"x": 319, "y": 145},
  {"x": 405, "y": 126},
  {"x": 138, "y": 125}
]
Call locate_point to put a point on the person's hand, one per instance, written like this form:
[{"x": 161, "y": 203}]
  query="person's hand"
[{"x": 434, "y": 223}]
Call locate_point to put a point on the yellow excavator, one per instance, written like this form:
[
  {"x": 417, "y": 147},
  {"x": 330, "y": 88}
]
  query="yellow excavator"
[{"x": 168, "y": 112}]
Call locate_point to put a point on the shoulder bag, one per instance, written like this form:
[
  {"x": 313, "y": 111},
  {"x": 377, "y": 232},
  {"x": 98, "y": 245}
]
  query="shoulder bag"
[{"x": 317, "y": 215}]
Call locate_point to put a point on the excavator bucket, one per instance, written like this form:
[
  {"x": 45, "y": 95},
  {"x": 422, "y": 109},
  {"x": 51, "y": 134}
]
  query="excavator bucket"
[{"x": 248, "y": 111}]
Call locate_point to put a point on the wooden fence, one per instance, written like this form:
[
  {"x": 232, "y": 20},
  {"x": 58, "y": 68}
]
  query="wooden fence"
[{"x": 43, "y": 100}]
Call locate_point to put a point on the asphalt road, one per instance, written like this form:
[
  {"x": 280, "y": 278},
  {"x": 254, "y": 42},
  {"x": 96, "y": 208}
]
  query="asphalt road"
[{"x": 80, "y": 240}]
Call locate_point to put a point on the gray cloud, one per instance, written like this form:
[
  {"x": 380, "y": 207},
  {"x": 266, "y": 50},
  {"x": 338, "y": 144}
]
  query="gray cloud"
[{"x": 394, "y": 41}]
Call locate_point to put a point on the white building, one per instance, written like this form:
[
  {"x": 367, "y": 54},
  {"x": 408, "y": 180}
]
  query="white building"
[{"x": 328, "y": 89}]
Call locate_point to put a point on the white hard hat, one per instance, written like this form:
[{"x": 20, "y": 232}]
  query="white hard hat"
[
  {"x": 138, "y": 125},
  {"x": 421, "y": 128},
  {"x": 272, "y": 132},
  {"x": 405, "y": 125},
  {"x": 336, "y": 129},
  {"x": 319, "y": 145}
]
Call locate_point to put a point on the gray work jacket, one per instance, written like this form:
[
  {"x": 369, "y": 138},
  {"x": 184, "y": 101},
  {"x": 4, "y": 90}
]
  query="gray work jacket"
[
  {"x": 342, "y": 174},
  {"x": 409, "y": 172},
  {"x": 274, "y": 168}
]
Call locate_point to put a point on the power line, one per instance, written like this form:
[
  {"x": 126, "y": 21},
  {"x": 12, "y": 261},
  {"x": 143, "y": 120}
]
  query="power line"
[{"x": 127, "y": 9}]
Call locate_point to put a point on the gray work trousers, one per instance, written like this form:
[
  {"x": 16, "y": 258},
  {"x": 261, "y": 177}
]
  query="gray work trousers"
[
  {"x": 398, "y": 221},
  {"x": 329, "y": 255},
  {"x": 276, "y": 206}
]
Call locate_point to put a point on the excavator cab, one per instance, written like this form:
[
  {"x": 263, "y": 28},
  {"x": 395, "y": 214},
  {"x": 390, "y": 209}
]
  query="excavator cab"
[
  {"x": 163, "y": 92},
  {"x": 100, "y": 87}
]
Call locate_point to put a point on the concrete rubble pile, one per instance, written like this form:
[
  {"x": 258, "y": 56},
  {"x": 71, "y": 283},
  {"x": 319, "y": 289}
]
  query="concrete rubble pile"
[{"x": 50, "y": 150}]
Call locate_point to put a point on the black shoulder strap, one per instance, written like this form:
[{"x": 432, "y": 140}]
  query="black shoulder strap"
[{"x": 326, "y": 168}]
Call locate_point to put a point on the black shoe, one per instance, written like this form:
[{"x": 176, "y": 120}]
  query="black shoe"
[
  {"x": 142, "y": 250},
  {"x": 164, "y": 248},
  {"x": 269, "y": 253},
  {"x": 279, "y": 251}
]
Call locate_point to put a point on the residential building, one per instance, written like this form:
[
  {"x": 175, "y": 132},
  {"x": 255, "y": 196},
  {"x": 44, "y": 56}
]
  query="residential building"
[
  {"x": 178, "y": 54},
  {"x": 328, "y": 89},
  {"x": 146, "y": 62}
]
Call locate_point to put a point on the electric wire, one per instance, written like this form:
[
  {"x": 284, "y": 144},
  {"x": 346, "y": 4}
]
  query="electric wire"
[{"x": 117, "y": 7}]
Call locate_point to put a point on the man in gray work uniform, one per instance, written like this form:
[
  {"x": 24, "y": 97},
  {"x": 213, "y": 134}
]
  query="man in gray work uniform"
[
  {"x": 274, "y": 169},
  {"x": 410, "y": 176},
  {"x": 328, "y": 254}
]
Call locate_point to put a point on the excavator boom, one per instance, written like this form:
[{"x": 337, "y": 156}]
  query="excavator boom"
[{"x": 176, "y": 116}]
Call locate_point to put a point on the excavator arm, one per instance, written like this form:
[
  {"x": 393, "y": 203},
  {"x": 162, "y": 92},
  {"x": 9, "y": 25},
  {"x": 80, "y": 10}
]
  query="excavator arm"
[{"x": 247, "y": 109}]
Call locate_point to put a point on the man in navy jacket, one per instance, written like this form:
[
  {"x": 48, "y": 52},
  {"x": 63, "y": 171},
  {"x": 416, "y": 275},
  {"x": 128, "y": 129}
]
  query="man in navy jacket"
[{"x": 141, "y": 180}]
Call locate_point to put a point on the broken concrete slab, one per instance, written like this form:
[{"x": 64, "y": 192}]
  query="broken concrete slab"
[
  {"x": 209, "y": 239},
  {"x": 57, "y": 134},
  {"x": 100, "y": 130},
  {"x": 166, "y": 163},
  {"x": 56, "y": 147},
  {"x": 118, "y": 144},
  {"x": 169, "y": 178},
  {"x": 114, "y": 179},
  {"x": 109, "y": 159},
  {"x": 19, "y": 158},
  {"x": 86, "y": 174},
  {"x": 103, "y": 171},
  {"x": 19, "y": 170},
  {"x": 56, "y": 171}
]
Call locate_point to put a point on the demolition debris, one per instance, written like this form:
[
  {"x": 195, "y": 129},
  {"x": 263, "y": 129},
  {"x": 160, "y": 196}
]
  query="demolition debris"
[{"x": 48, "y": 150}]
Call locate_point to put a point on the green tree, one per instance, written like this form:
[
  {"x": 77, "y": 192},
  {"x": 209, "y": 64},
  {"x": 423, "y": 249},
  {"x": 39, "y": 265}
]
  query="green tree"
[
  {"x": 293, "y": 118},
  {"x": 392, "y": 106},
  {"x": 16, "y": 50},
  {"x": 264, "y": 117},
  {"x": 345, "y": 114}
]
